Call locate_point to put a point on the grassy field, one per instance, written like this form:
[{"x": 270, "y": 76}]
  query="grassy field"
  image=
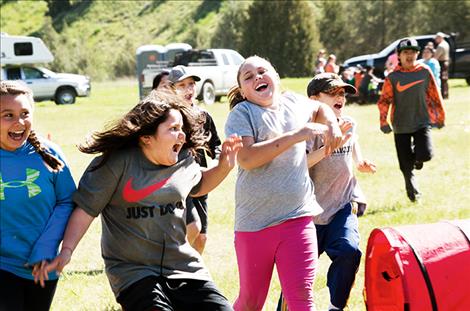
[{"x": 444, "y": 183}]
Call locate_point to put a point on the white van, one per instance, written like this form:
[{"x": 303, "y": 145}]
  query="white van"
[{"x": 18, "y": 56}]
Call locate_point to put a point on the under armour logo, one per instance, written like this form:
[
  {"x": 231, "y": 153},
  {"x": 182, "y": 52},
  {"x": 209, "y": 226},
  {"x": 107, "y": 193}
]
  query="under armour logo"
[{"x": 31, "y": 176}]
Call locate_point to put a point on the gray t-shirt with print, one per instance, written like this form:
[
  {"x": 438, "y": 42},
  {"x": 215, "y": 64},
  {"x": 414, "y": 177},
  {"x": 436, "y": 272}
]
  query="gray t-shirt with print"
[
  {"x": 281, "y": 189},
  {"x": 333, "y": 177},
  {"x": 142, "y": 207}
]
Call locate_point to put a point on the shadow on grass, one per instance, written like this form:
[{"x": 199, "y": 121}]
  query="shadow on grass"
[{"x": 87, "y": 272}]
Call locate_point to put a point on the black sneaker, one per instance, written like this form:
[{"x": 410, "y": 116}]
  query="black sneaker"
[
  {"x": 411, "y": 190},
  {"x": 361, "y": 209},
  {"x": 418, "y": 165}
]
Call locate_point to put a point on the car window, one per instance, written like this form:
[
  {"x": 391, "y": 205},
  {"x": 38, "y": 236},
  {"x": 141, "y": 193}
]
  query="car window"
[
  {"x": 32, "y": 73},
  {"x": 224, "y": 57},
  {"x": 14, "y": 73},
  {"x": 236, "y": 58}
]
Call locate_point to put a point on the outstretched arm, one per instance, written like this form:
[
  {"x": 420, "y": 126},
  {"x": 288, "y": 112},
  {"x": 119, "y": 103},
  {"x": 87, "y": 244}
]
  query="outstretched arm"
[
  {"x": 363, "y": 165},
  {"x": 77, "y": 226},
  {"x": 212, "y": 177}
]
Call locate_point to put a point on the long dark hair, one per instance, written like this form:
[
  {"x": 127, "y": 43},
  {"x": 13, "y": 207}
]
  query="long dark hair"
[
  {"x": 16, "y": 88},
  {"x": 142, "y": 120}
]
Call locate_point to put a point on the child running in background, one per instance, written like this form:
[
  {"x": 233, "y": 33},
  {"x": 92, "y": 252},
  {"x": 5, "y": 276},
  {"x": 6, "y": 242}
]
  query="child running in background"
[
  {"x": 184, "y": 84},
  {"x": 36, "y": 190},
  {"x": 274, "y": 195},
  {"x": 415, "y": 103},
  {"x": 139, "y": 185}
]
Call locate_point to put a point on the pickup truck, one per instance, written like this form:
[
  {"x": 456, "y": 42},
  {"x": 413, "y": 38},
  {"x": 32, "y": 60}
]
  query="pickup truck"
[
  {"x": 459, "y": 57},
  {"x": 217, "y": 69},
  {"x": 18, "y": 56},
  {"x": 62, "y": 88}
]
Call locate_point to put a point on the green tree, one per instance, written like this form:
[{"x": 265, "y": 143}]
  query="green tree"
[
  {"x": 455, "y": 20},
  {"x": 335, "y": 35},
  {"x": 283, "y": 32},
  {"x": 232, "y": 20},
  {"x": 57, "y": 6}
]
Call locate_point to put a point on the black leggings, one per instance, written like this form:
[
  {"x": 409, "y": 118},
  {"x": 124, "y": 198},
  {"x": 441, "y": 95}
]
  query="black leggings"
[
  {"x": 413, "y": 147},
  {"x": 19, "y": 294},
  {"x": 158, "y": 293}
]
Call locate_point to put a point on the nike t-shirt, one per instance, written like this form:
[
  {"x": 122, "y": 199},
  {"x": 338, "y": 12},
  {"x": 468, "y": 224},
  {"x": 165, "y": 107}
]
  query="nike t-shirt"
[{"x": 142, "y": 207}]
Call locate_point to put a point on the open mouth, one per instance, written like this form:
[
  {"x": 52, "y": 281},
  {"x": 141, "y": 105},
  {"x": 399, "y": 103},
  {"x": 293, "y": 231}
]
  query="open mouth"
[
  {"x": 17, "y": 135},
  {"x": 177, "y": 147},
  {"x": 338, "y": 106},
  {"x": 261, "y": 87}
]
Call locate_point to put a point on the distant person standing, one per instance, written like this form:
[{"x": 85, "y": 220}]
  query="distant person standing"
[
  {"x": 331, "y": 64},
  {"x": 416, "y": 104},
  {"x": 442, "y": 56},
  {"x": 428, "y": 59}
]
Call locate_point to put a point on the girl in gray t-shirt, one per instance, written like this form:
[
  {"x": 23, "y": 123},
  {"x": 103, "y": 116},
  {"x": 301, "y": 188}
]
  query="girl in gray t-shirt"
[
  {"x": 274, "y": 195},
  {"x": 139, "y": 186}
]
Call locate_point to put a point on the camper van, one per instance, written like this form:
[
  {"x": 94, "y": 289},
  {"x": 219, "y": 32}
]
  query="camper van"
[{"x": 19, "y": 58}]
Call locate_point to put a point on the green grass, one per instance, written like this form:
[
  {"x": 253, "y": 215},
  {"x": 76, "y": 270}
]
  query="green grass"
[{"x": 444, "y": 182}]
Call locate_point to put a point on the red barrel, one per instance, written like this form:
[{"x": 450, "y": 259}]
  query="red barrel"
[{"x": 419, "y": 268}]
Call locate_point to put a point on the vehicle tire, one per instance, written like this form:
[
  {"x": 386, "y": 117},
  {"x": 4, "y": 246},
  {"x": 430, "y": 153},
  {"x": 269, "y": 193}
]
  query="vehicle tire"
[
  {"x": 208, "y": 93},
  {"x": 468, "y": 80},
  {"x": 65, "y": 96}
]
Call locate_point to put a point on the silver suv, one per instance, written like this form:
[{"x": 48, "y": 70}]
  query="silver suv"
[{"x": 62, "y": 88}]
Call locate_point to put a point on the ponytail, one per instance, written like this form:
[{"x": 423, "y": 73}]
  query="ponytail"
[
  {"x": 235, "y": 96},
  {"x": 50, "y": 159}
]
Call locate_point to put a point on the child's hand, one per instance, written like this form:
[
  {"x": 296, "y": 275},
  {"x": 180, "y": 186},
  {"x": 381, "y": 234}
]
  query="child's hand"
[
  {"x": 230, "y": 149},
  {"x": 333, "y": 138},
  {"x": 57, "y": 264},
  {"x": 345, "y": 127},
  {"x": 365, "y": 166},
  {"x": 39, "y": 272}
]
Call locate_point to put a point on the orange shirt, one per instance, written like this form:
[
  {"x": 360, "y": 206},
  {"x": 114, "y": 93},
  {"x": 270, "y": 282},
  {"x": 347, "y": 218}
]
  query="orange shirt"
[{"x": 433, "y": 98}]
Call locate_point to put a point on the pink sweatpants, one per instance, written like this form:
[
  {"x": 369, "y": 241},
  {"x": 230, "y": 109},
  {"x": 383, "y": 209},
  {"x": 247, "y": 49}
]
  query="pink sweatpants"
[{"x": 292, "y": 246}]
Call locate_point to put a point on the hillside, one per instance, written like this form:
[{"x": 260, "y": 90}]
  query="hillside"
[{"x": 99, "y": 38}]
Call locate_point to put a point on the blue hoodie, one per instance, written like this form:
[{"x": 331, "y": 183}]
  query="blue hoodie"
[{"x": 35, "y": 205}]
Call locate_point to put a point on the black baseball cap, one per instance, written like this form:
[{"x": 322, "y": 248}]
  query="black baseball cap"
[
  {"x": 323, "y": 82},
  {"x": 179, "y": 73},
  {"x": 408, "y": 44}
]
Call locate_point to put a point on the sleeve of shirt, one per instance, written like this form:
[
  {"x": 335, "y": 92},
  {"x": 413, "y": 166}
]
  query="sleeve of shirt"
[
  {"x": 95, "y": 189},
  {"x": 386, "y": 99},
  {"x": 238, "y": 122},
  {"x": 47, "y": 244},
  {"x": 434, "y": 102},
  {"x": 214, "y": 142}
]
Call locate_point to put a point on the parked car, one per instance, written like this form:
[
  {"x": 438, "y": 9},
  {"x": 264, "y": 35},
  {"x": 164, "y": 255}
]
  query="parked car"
[
  {"x": 459, "y": 57},
  {"x": 62, "y": 88},
  {"x": 18, "y": 55}
]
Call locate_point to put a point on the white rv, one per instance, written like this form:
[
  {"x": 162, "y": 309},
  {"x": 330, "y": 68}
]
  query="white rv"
[
  {"x": 19, "y": 56},
  {"x": 23, "y": 50}
]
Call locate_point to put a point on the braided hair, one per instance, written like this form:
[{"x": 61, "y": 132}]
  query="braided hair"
[{"x": 16, "y": 88}]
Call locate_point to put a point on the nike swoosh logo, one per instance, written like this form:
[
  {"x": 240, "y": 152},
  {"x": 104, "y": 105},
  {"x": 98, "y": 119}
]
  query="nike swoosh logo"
[
  {"x": 401, "y": 88},
  {"x": 132, "y": 195}
]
